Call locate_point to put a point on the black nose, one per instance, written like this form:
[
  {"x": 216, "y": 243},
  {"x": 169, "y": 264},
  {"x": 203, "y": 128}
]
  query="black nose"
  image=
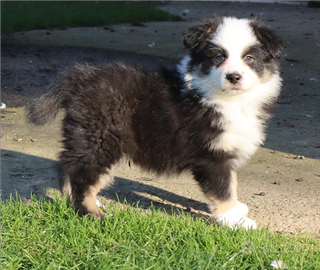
[{"x": 233, "y": 77}]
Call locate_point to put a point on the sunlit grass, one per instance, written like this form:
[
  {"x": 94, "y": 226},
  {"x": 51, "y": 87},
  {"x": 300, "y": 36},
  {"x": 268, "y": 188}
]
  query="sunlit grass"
[{"x": 44, "y": 234}]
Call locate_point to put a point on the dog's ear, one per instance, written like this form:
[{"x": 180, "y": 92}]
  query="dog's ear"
[
  {"x": 270, "y": 41},
  {"x": 195, "y": 37}
]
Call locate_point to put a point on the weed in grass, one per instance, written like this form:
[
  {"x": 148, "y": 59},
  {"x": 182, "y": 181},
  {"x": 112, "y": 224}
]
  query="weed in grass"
[{"x": 45, "y": 234}]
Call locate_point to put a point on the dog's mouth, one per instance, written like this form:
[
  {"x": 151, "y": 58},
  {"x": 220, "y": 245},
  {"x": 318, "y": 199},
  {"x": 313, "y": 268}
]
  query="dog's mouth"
[
  {"x": 231, "y": 91},
  {"x": 236, "y": 88},
  {"x": 232, "y": 88}
]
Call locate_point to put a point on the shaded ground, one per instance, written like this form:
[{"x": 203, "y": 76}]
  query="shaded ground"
[{"x": 281, "y": 189}]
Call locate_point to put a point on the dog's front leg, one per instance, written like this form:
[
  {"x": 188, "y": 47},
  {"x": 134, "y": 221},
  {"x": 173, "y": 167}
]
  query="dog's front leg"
[{"x": 219, "y": 184}]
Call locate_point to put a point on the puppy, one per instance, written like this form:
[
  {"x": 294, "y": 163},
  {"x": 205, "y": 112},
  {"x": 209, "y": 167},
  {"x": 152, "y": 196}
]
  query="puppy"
[{"x": 207, "y": 116}]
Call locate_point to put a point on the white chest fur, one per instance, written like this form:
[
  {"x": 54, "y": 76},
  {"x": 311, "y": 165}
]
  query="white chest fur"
[{"x": 243, "y": 130}]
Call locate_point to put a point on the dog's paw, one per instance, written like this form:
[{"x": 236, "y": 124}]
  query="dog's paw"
[
  {"x": 236, "y": 218},
  {"x": 242, "y": 208},
  {"x": 235, "y": 223},
  {"x": 246, "y": 223}
]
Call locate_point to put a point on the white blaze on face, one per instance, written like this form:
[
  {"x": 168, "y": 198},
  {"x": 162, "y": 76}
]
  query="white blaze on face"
[{"x": 235, "y": 37}]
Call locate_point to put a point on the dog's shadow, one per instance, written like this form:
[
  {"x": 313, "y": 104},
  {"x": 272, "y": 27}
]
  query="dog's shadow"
[
  {"x": 143, "y": 195},
  {"x": 26, "y": 174}
]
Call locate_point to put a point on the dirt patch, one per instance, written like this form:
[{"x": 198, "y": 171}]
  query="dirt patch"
[{"x": 280, "y": 184}]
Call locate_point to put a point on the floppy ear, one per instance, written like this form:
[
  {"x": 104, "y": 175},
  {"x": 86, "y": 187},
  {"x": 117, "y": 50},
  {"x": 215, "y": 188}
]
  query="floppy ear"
[
  {"x": 195, "y": 36},
  {"x": 270, "y": 41}
]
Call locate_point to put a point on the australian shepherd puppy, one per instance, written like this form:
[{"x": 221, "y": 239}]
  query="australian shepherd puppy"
[{"x": 207, "y": 116}]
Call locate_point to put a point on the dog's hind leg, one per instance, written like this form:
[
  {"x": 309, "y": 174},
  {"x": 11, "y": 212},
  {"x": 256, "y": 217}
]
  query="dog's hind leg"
[
  {"x": 82, "y": 187},
  {"x": 92, "y": 144},
  {"x": 82, "y": 182},
  {"x": 85, "y": 168},
  {"x": 84, "y": 197}
]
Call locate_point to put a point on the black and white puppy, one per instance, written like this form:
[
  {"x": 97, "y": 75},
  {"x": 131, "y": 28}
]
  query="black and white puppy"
[{"x": 207, "y": 116}]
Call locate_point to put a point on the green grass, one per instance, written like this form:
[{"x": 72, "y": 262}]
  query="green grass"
[
  {"x": 29, "y": 15},
  {"x": 49, "y": 235}
]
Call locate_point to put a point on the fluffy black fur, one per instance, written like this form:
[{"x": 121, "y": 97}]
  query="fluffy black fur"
[{"x": 118, "y": 110}]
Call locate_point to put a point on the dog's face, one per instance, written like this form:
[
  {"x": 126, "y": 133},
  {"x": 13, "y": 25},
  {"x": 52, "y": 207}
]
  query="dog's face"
[{"x": 230, "y": 56}]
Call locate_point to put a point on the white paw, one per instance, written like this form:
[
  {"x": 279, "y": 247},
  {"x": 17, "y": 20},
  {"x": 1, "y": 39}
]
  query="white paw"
[
  {"x": 242, "y": 208},
  {"x": 236, "y": 218}
]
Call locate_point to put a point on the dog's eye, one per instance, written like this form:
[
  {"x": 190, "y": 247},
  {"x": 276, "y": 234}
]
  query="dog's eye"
[
  {"x": 248, "y": 58},
  {"x": 220, "y": 58}
]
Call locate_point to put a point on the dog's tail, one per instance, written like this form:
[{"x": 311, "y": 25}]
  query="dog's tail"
[{"x": 46, "y": 107}]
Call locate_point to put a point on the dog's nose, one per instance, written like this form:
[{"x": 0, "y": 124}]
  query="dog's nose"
[{"x": 233, "y": 77}]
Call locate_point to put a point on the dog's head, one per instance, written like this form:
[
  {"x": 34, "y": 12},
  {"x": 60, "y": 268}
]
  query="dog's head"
[{"x": 229, "y": 55}]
